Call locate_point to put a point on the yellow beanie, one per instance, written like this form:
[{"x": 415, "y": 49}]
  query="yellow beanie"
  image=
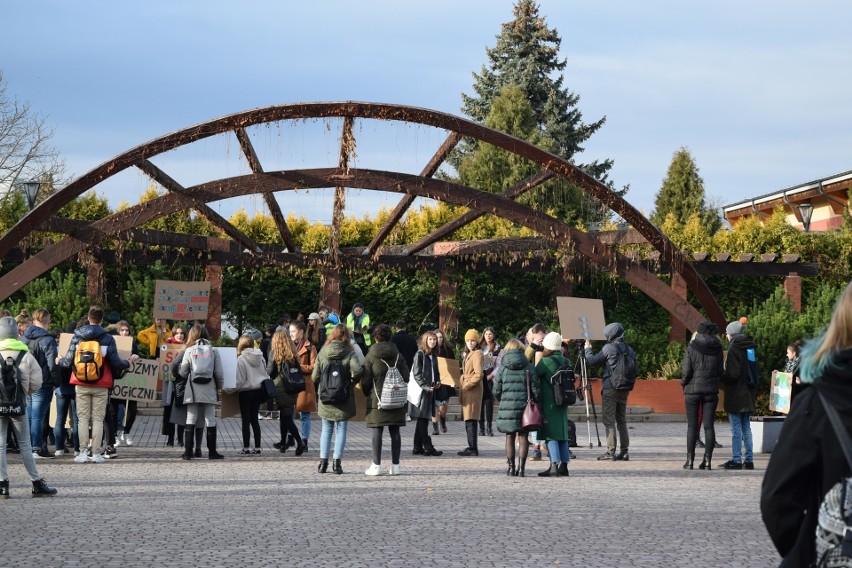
[{"x": 471, "y": 334}]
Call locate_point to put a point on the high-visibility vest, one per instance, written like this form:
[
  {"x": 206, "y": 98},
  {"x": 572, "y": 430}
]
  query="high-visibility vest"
[{"x": 365, "y": 323}]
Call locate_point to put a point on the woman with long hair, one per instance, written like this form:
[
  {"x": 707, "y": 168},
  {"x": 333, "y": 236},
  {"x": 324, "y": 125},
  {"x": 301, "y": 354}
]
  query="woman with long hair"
[
  {"x": 336, "y": 356},
  {"x": 809, "y": 459},
  {"x": 251, "y": 372},
  {"x": 282, "y": 357},
  {"x": 424, "y": 370},
  {"x": 200, "y": 397},
  {"x": 510, "y": 390},
  {"x": 470, "y": 389},
  {"x": 793, "y": 367},
  {"x": 307, "y": 353},
  {"x": 702, "y": 369},
  {"x": 446, "y": 392},
  {"x": 490, "y": 354},
  {"x": 315, "y": 331},
  {"x": 169, "y": 396}
]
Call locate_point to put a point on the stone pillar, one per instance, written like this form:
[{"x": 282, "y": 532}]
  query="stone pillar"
[
  {"x": 213, "y": 274},
  {"x": 793, "y": 290},
  {"x": 95, "y": 281},
  {"x": 447, "y": 318},
  {"x": 679, "y": 331},
  {"x": 330, "y": 289}
]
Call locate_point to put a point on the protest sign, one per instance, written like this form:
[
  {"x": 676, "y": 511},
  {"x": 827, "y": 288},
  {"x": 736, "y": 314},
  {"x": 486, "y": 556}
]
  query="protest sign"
[
  {"x": 780, "y": 393},
  {"x": 581, "y": 318},
  {"x": 139, "y": 383},
  {"x": 122, "y": 343},
  {"x": 175, "y": 300},
  {"x": 449, "y": 371}
]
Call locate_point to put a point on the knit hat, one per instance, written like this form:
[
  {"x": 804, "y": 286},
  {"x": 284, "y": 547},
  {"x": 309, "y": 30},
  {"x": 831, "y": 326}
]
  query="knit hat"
[
  {"x": 552, "y": 341},
  {"x": 471, "y": 334},
  {"x": 256, "y": 335},
  {"x": 114, "y": 317},
  {"x": 8, "y": 328},
  {"x": 704, "y": 328},
  {"x": 735, "y": 328}
]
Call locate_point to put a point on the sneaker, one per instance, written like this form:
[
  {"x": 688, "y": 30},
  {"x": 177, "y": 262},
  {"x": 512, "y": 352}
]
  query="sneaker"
[
  {"x": 119, "y": 439},
  {"x": 731, "y": 464},
  {"x": 127, "y": 440},
  {"x": 536, "y": 457},
  {"x": 394, "y": 469},
  {"x": 59, "y": 453},
  {"x": 255, "y": 452},
  {"x": 245, "y": 452},
  {"x": 607, "y": 456},
  {"x": 98, "y": 458},
  {"x": 82, "y": 456},
  {"x": 261, "y": 417},
  {"x": 748, "y": 465},
  {"x": 374, "y": 469},
  {"x": 110, "y": 453},
  {"x": 42, "y": 453},
  {"x": 623, "y": 456}
]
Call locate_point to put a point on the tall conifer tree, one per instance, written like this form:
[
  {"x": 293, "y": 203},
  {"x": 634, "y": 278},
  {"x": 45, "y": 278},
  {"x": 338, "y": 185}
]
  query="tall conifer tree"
[{"x": 682, "y": 194}]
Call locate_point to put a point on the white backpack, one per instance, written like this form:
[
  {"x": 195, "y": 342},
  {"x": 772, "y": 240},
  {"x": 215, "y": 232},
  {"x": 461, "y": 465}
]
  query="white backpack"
[
  {"x": 394, "y": 391},
  {"x": 833, "y": 539}
]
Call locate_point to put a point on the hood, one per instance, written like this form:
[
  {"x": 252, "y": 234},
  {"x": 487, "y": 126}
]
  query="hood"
[
  {"x": 743, "y": 341},
  {"x": 515, "y": 360},
  {"x": 254, "y": 357},
  {"x": 706, "y": 344},
  {"x": 613, "y": 332},
  {"x": 384, "y": 350},
  {"x": 35, "y": 332},
  {"x": 336, "y": 350},
  {"x": 835, "y": 383},
  {"x": 89, "y": 331}
]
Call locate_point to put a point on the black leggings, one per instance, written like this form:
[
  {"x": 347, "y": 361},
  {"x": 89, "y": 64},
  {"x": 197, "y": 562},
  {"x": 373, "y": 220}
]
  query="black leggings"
[
  {"x": 396, "y": 444},
  {"x": 523, "y": 445},
  {"x": 286, "y": 424},
  {"x": 707, "y": 403},
  {"x": 250, "y": 402}
]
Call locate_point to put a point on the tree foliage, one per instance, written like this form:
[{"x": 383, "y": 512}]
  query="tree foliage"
[{"x": 682, "y": 195}]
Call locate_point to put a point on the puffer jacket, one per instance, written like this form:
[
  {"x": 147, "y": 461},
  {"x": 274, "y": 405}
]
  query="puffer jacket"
[
  {"x": 510, "y": 389},
  {"x": 114, "y": 365},
  {"x": 376, "y": 363},
  {"x": 336, "y": 351},
  {"x": 43, "y": 347},
  {"x": 702, "y": 365},
  {"x": 738, "y": 397}
]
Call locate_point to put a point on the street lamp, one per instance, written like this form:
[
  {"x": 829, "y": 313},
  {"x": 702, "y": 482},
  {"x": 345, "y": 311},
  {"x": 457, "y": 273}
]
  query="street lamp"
[
  {"x": 30, "y": 189},
  {"x": 806, "y": 210}
]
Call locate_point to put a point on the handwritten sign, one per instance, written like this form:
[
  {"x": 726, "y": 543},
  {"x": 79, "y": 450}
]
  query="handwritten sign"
[
  {"x": 175, "y": 300},
  {"x": 140, "y": 382},
  {"x": 781, "y": 390}
]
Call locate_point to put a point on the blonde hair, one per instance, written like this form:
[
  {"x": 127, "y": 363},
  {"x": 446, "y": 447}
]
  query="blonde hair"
[
  {"x": 513, "y": 344},
  {"x": 246, "y": 342},
  {"x": 283, "y": 348},
  {"x": 817, "y": 353}
]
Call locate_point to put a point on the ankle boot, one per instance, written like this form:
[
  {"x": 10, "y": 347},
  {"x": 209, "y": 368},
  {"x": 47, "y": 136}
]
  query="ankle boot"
[
  {"x": 481, "y": 429},
  {"x": 323, "y": 466},
  {"x": 199, "y": 434},
  {"x": 434, "y": 428},
  {"x": 510, "y": 471},
  {"x": 40, "y": 489},
  {"x": 336, "y": 467},
  {"x": 188, "y": 442},
  {"x": 562, "y": 470},
  {"x": 690, "y": 458},
  {"x": 489, "y": 431},
  {"x": 301, "y": 446},
  {"x": 212, "y": 454},
  {"x": 443, "y": 420},
  {"x": 552, "y": 471},
  {"x": 522, "y": 466},
  {"x": 4, "y": 489},
  {"x": 705, "y": 463}
]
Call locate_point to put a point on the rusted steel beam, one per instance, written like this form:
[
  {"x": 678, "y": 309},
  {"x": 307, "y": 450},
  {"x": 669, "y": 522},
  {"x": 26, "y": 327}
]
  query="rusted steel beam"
[
  {"x": 197, "y": 203},
  {"x": 452, "y": 226},
  {"x": 404, "y": 203},
  {"x": 248, "y": 150},
  {"x": 347, "y": 148}
]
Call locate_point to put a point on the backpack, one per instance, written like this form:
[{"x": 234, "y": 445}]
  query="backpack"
[
  {"x": 88, "y": 361},
  {"x": 751, "y": 369},
  {"x": 336, "y": 383},
  {"x": 202, "y": 361},
  {"x": 394, "y": 390},
  {"x": 12, "y": 397},
  {"x": 623, "y": 373},
  {"x": 292, "y": 380},
  {"x": 833, "y": 539},
  {"x": 562, "y": 381}
]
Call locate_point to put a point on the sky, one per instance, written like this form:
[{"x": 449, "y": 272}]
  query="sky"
[{"x": 758, "y": 91}]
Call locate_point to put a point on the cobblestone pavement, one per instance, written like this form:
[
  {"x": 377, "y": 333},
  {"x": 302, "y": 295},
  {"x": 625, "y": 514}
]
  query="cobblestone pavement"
[{"x": 149, "y": 508}]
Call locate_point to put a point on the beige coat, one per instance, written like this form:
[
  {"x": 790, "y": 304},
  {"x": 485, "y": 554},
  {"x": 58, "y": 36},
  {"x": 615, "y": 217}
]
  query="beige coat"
[
  {"x": 31, "y": 376},
  {"x": 470, "y": 393}
]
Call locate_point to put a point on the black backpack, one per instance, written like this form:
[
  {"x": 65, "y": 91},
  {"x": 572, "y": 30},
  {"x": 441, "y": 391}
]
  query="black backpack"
[
  {"x": 336, "y": 383},
  {"x": 292, "y": 379},
  {"x": 564, "y": 389},
  {"x": 623, "y": 375},
  {"x": 12, "y": 396},
  {"x": 751, "y": 374}
]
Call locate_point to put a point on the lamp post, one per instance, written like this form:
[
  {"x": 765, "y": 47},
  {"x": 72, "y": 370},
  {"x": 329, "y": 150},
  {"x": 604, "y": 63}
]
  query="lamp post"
[
  {"x": 806, "y": 210},
  {"x": 30, "y": 190}
]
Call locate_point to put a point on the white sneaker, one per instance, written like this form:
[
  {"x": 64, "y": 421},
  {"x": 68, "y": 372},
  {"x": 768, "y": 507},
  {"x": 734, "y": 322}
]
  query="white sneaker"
[
  {"x": 374, "y": 469},
  {"x": 126, "y": 439},
  {"x": 394, "y": 469},
  {"x": 82, "y": 457},
  {"x": 59, "y": 453},
  {"x": 98, "y": 458},
  {"x": 119, "y": 440}
]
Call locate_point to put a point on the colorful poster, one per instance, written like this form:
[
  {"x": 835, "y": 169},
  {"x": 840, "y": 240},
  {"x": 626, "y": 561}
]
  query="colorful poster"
[
  {"x": 186, "y": 301},
  {"x": 781, "y": 389}
]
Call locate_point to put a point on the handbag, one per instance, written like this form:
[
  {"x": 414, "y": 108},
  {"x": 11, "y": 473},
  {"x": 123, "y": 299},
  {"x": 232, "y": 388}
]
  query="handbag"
[
  {"x": 532, "y": 418},
  {"x": 307, "y": 399},
  {"x": 415, "y": 391},
  {"x": 268, "y": 388}
]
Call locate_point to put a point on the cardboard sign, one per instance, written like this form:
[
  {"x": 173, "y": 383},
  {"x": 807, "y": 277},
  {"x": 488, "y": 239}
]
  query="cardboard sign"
[
  {"x": 168, "y": 354},
  {"x": 139, "y": 383},
  {"x": 122, "y": 343},
  {"x": 781, "y": 391},
  {"x": 175, "y": 300},
  {"x": 230, "y": 405},
  {"x": 228, "y": 355},
  {"x": 449, "y": 371},
  {"x": 581, "y": 318}
]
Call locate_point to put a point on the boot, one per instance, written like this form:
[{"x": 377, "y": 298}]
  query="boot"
[
  {"x": 471, "y": 449},
  {"x": 489, "y": 431},
  {"x": 180, "y": 433},
  {"x": 434, "y": 428},
  {"x": 199, "y": 433},
  {"x": 188, "y": 442},
  {"x": 4, "y": 489},
  {"x": 212, "y": 454},
  {"x": 705, "y": 463},
  {"x": 481, "y": 428},
  {"x": 562, "y": 470},
  {"x": 700, "y": 442},
  {"x": 522, "y": 466},
  {"x": 336, "y": 467},
  {"x": 40, "y": 489},
  {"x": 510, "y": 471},
  {"x": 552, "y": 471},
  {"x": 301, "y": 445},
  {"x": 443, "y": 420},
  {"x": 429, "y": 449},
  {"x": 690, "y": 458},
  {"x": 323, "y": 466}
]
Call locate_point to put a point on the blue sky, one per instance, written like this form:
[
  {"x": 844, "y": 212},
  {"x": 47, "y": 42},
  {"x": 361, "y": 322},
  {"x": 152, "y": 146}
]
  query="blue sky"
[{"x": 758, "y": 91}]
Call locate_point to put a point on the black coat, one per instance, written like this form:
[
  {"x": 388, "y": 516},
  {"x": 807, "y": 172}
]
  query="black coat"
[
  {"x": 805, "y": 464},
  {"x": 738, "y": 397},
  {"x": 702, "y": 365},
  {"x": 424, "y": 370},
  {"x": 406, "y": 345}
]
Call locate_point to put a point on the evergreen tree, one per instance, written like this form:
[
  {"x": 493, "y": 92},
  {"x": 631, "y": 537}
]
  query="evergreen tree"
[{"x": 682, "y": 194}]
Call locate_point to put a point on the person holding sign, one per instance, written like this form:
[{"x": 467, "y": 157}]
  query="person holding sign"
[
  {"x": 446, "y": 392},
  {"x": 153, "y": 337}
]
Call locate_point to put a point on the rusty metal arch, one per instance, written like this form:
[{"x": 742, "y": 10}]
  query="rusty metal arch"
[{"x": 457, "y": 126}]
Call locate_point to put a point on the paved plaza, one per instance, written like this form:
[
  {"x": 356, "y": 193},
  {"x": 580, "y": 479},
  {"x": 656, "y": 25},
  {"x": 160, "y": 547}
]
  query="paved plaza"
[{"x": 150, "y": 508}]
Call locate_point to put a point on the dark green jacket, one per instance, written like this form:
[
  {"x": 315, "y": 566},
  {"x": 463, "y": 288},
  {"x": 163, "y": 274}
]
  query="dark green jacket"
[
  {"x": 510, "y": 388},
  {"x": 338, "y": 351},
  {"x": 556, "y": 427},
  {"x": 373, "y": 379}
]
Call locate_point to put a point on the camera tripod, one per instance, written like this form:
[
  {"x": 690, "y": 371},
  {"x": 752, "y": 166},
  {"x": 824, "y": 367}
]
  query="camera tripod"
[{"x": 586, "y": 388}]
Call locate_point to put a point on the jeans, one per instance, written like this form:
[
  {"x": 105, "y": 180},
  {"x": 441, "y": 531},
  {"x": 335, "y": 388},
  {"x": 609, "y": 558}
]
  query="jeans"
[
  {"x": 339, "y": 427},
  {"x": 305, "y": 417},
  {"x": 558, "y": 451},
  {"x": 38, "y": 405},
  {"x": 614, "y": 410},
  {"x": 740, "y": 434},
  {"x": 64, "y": 405},
  {"x": 22, "y": 426}
]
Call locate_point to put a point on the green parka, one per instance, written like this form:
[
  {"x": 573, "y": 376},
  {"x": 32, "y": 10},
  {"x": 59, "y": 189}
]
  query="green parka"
[
  {"x": 373, "y": 379},
  {"x": 510, "y": 389},
  {"x": 337, "y": 351},
  {"x": 556, "y": 427}
]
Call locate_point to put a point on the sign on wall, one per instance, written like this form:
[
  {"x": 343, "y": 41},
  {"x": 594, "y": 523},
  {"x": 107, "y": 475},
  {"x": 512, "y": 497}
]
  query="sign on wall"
[{"x": 175, "y": 300}]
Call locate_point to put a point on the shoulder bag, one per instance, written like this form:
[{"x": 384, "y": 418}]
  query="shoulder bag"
[{"x": 532, "y": 419}]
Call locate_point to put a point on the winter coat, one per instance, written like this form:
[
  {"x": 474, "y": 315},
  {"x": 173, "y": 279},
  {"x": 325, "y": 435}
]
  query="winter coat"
[
  {"x": 43, "y": 347},
  {"x": 471, "y": 387},
  {"x": 284, "y": 399},
  {"x": 556, "y": 417},
  {"x": 114, "y": 365},
  {"x": 31, "y": 378},
  {"x": 608, "y": 355},
  {"x": 197, "y": 393},
  {"x": 337, "y": 351},
  {"x": 373, "y": 380},
  {"x": 702, "y": 365},
  {"x": 738, "y": 397},
  {"x": 406, "y": 345},
  {"x": 251, "y": 371},
  {"x": 153, "y": 340},
  {"x": 807, "y": 461},
  {"x": 510, "y": 389},
  {"x": 424, "y": 370}
]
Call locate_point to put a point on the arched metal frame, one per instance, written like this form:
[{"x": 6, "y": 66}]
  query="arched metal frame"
[{"x": 266, "y": 183}]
